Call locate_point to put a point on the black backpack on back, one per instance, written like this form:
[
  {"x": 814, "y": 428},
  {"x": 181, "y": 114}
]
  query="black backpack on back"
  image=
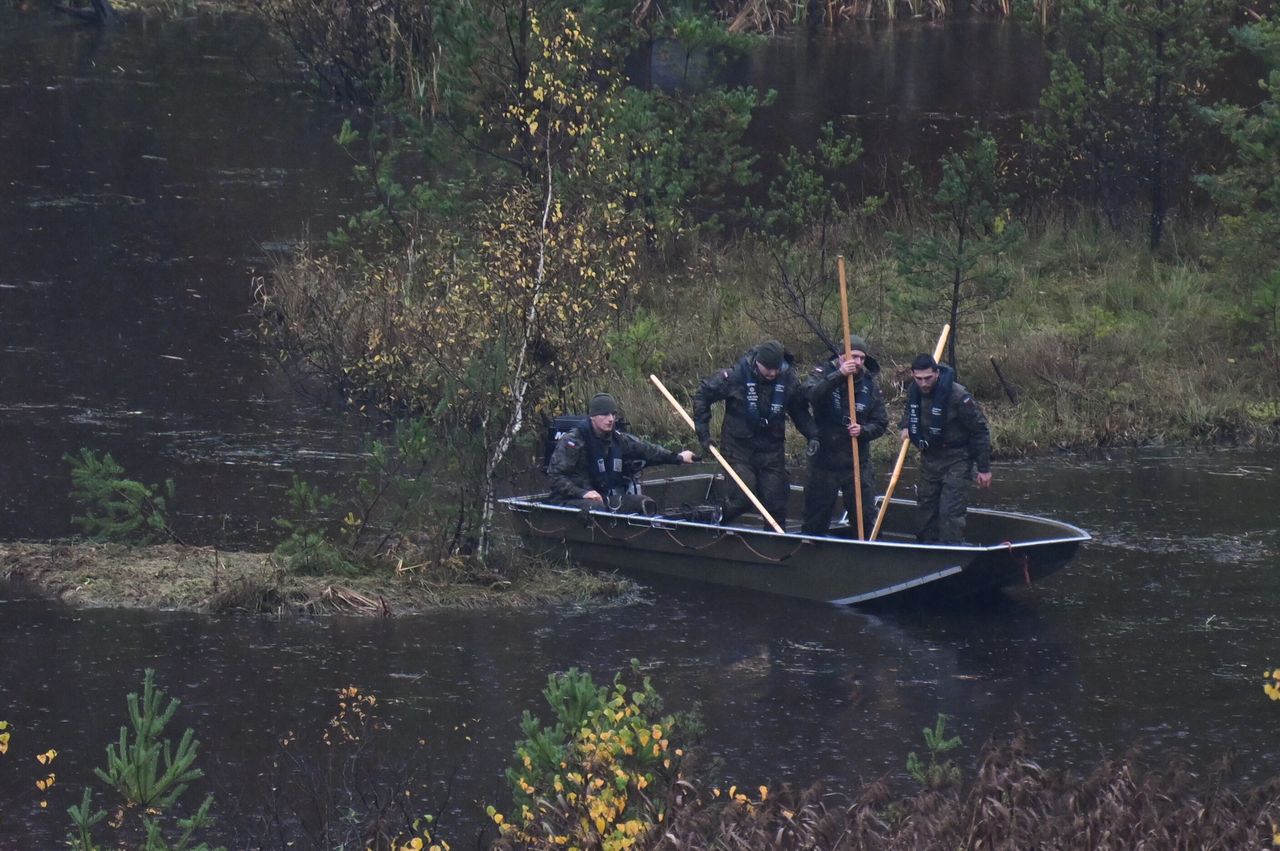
[{"x": 562, "y": 424}]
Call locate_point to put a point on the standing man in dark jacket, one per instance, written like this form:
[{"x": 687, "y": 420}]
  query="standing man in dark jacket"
[
  {"x": 949, "y": 429},
  {"x": 759, "y": 393},
  {"x": 831, "y": 466},
  {"x": 588, "y": 465}
]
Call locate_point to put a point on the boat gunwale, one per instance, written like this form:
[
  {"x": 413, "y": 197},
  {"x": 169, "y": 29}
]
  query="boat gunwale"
[{"x": 531, "y": 502}]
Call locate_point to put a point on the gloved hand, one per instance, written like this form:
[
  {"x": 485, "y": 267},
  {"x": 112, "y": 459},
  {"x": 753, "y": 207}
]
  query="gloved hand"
[
  {"x": 812, "y": 449},
  {"x": 706, "y": 444}
]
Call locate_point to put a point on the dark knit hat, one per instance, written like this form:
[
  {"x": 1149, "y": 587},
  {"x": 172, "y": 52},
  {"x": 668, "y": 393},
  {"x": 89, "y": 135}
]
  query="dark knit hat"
[
  {"x": 602, "y": 403},
  {"x": 857, "y": 344},
  {"x": 769, "y": 354}
]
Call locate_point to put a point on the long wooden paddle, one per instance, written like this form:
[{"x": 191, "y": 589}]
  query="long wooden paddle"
[
  {"x": 853, "y": 409},
  {"x": 906, "y": 442},
  {"x": 716, "y": 452}
]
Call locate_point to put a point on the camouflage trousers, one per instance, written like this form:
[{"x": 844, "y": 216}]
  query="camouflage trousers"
[
  {"x": 826, "y": 484},
  {"x": 766, "y": 474},
  {"x": 942, "y": 496}
]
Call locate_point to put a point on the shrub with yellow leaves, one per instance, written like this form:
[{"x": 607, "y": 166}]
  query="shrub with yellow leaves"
[
  {"x": 482, "y": 296},
  {"x": 600, "y": 777},
  {"x": 1272, "y": 685}
]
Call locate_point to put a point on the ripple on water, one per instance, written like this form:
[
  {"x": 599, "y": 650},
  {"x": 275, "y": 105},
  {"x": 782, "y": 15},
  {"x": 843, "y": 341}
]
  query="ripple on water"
[
  {"x": 259, "y": 177},
  {"x": 251, "y": 448},
  {"x": 1217, "y": 548},
  {"x": 87, "y": 199}
]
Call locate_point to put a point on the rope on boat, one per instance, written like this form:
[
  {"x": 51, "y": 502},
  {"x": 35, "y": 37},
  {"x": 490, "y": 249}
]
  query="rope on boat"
[
  {"x": 717, "y": 539},
  {"x": 623, "y": 538},
  {"x": 559, "y": 531},
  {"x": 1023, "y": 561},
  {"x": 761, "y": 555}
]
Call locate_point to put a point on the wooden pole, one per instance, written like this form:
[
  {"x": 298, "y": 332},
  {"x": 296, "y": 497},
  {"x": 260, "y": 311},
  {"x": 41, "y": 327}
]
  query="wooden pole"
[
  {"x": 853, "y": 408},
  {"x": 906, "y": 442},
  {"x": 716, "y": 452}
]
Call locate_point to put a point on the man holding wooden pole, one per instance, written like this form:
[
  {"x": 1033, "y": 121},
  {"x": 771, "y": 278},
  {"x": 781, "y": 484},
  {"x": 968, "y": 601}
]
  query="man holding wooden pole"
[
  {"x": 759, "y": 393},
  {"x": 831, "y": 466}
]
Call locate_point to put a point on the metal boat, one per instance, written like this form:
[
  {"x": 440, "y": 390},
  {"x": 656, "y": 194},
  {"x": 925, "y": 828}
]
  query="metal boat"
[{"x": 1002, "y": 548}]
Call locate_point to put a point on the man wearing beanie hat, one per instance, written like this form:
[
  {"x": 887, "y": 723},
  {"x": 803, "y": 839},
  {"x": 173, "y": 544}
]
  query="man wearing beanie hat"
[
  {"x": 759, "y": 392},
  {"x": 831, "y": 456},
  {"x": 951, "y": 433},
  {"x": 588, "y": 466}
]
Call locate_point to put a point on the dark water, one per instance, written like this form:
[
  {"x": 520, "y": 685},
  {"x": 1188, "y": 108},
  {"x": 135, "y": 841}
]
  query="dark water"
[
  {"x": 1158, "y": 635},
  {"x": 908, "y": 92},
  {"x": 146, "y": 174},
  {"x": 145, "y": 177}
]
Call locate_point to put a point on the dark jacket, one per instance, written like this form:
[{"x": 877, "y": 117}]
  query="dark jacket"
[
  {"x": 965, "y": 427},
  {"x": 764, "y": 428},
  {"x": 825, "y": 389},
  {"x": 572, "y": 467}
]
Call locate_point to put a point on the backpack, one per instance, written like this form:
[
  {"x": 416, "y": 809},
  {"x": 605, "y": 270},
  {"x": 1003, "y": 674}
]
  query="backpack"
[{"x": 563, "y": 424}]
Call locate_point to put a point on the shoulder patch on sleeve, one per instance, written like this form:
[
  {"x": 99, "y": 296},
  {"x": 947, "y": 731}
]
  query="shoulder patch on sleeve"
[{"x": 724, "y": 374}]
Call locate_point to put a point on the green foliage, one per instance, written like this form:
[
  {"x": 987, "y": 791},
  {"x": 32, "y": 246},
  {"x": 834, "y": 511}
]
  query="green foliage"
[
  {"x": 134, "y": 767},
  {"x": 1118, "y": 119},
  {"x": 937, "y": 773},
  {"x": 810, "y": 192},
  {"x": 956, "y": 268},
  {"x": 116, "y": 508},
  {"x": 599, "y": 776},
  {"x": 636, "y": 349},
  {"x": 308, "y": 548},
  {"x": 1250, "y": 187},
  {"x": 83, "y": 819},
  {"x": 685, "y": 157},
  {"x": 809, "y": 215},
  {"x": 415, "y": 501},
  {"x": 150, "y": 776}
]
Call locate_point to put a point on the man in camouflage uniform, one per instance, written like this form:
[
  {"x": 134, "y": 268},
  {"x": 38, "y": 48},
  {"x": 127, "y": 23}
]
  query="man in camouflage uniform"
[
  {"x": 759, "y": 393},
  {"x": 949, "y": 429},
  {"x": 588, "y": 466},
  {"x": 831, "y": 465}
]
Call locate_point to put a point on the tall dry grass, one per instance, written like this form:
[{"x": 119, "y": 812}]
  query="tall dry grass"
[
  {"x": 1102, "y": 342},
  {"x": 1012, "y": 804}
]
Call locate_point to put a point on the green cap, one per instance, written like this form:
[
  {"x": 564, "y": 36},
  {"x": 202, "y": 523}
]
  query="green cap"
[
  {"x": 601, "y": 404},
  {"x": 769, "y": 354}
]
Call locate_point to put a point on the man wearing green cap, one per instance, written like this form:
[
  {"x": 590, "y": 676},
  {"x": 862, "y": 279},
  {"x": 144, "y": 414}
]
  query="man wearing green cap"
[
  {"x": 759, "y": 393},
  {"x": 588, "y": 466},
  {"x": 831, "y": 458}
]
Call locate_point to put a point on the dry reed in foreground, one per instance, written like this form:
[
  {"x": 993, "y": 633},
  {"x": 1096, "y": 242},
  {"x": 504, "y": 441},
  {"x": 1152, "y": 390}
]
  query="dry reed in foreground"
[{"x": 1013, "y": 804}]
